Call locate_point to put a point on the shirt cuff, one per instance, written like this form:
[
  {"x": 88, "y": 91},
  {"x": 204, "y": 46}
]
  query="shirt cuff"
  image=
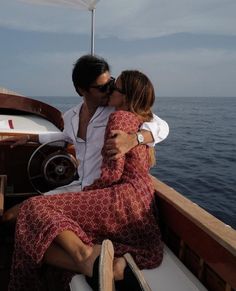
[{"x": 159, "y": 129}]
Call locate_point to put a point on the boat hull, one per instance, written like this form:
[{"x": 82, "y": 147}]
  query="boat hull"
[{"x": 205, "y": 245}]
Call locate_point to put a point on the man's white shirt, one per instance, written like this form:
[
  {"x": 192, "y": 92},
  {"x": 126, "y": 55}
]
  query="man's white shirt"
[{"x": 88, "y": 153}]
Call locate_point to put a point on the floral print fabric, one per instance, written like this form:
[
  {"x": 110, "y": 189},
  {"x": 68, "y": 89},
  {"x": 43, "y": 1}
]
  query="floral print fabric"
[{"x": 118, "y": 206}]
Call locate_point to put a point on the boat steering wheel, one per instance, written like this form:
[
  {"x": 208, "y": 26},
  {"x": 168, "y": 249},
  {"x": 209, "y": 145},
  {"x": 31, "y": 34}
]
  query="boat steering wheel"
[{"x": 51, "y": 166}]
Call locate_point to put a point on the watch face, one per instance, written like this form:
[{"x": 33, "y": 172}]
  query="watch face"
[{"x": 140, "y": 138}]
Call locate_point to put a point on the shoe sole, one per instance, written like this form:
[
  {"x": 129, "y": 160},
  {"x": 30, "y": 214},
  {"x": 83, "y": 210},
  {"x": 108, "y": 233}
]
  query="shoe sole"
[
  {"x": 106, "y": 277},
  {"x": 137, "y": 273}
]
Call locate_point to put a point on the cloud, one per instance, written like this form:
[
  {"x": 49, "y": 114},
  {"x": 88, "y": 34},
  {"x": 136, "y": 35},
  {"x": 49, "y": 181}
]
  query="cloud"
[
  {"x": 197, "y": 72},
  {"x": 39, "y": 18},
  {"x": 133, "y": 19},
  {"x": 158, "y": 18},
  {"x": 199, "y": 61},
  {"x": 41, "y": 74}
]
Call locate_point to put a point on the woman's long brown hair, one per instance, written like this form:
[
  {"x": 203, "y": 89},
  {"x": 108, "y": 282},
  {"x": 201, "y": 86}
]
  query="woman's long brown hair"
[
  {"x": 140, "y": 97},
  {"x": 139, "y": 93}
]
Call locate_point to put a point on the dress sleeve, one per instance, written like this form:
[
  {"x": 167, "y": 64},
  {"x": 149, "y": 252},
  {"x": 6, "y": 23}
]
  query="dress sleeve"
[{"x": 112, "y": 170}]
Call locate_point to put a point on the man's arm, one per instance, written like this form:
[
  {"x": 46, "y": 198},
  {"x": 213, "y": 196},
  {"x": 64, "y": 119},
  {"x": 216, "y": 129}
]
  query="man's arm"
[
  {"x": 158, "y": 128},
  {"x": 21, "y": 139},
  {"x": 37, "y": 138},
  {"x": 120, "y": 142}
]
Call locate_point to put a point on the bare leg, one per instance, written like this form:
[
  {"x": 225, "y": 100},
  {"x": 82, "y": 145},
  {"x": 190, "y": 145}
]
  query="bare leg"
[
  {"x": 77, "y": 256},
  {"x": 57, "y": 257}
]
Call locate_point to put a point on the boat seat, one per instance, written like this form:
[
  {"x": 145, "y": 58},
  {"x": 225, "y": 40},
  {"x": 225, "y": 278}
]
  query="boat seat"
[{"x": 170, "y": 275}]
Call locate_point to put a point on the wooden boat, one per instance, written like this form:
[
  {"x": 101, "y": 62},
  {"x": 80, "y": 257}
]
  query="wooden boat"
[{"x": 199, "y": 249}]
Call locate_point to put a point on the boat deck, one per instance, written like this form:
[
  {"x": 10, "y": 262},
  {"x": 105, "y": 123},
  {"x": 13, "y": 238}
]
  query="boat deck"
[
  {"x": 170, "y": 275},
  {"x": 200, "y": 247}
]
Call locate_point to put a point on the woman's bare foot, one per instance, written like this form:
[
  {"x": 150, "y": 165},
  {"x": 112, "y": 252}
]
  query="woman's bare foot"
[{"x": 118, "y": 268}]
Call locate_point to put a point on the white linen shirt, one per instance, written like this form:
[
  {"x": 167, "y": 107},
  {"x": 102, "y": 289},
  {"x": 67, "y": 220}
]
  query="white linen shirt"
[{"x": 88, "y": 152}]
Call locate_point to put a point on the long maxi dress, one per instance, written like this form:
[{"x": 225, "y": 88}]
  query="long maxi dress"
[{"x": 118, "y": 206}]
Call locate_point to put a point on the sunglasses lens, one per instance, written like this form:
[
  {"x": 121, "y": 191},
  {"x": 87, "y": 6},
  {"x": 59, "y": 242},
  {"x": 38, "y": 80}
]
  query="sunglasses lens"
[
  {"x": 104, "y": 88},
  {"x": 111, "y": 88},
  {"x": 107, "y": 87}
]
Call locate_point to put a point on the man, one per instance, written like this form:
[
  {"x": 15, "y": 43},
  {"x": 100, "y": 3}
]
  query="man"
[{"x": 84, "y": 125}]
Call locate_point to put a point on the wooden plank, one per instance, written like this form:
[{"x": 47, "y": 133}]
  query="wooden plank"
[
  {"x": 207, "y": 236},
  {"x": 3, "y": 180},
  {"x": 222, "y": 233}
]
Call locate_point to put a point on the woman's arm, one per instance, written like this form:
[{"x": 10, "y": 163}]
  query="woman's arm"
[
  {"x": 121, "y": 142},
  {"x": 111, "y": 170}
]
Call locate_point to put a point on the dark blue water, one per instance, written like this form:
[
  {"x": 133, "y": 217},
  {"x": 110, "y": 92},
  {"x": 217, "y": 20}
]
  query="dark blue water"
[{"x": 198, "y": 158}]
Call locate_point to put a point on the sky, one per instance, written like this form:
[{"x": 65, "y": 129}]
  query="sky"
[{"x": 186, "y": 47}]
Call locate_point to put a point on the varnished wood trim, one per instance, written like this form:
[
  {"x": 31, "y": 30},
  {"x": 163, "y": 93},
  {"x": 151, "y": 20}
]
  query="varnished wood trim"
[
  {"x": 3, "y": 180},
  {"x": 16, "y": 103},
  {"x": 223, "y": 234},
  {"x": 204, "y": 234}
]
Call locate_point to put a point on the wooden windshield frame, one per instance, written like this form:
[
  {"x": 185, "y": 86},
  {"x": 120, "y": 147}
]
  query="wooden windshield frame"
[{"x": 18, "y": 104}]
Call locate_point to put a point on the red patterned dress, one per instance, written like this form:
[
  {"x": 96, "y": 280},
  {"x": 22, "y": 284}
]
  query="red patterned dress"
[{"x": 119, "y": 206}]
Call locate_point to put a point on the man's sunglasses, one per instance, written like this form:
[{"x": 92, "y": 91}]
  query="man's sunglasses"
[{"x": 105, "y": 87}]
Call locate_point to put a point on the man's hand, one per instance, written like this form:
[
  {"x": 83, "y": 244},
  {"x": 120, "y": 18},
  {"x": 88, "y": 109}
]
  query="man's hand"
[
  {"x": 17, "y": 140},
  {"x": 119, "y": 144},
  {"x": 11, "y": 214}
]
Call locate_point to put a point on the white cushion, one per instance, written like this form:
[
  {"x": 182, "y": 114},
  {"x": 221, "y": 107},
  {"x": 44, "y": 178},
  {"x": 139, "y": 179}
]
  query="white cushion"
[{"x": 170, "y": 275}]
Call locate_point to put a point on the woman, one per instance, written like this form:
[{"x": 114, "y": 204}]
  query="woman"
[{"x": 69, "y": 230}]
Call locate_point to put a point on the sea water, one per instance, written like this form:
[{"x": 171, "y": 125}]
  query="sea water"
[{"x": 198, "y": 159}]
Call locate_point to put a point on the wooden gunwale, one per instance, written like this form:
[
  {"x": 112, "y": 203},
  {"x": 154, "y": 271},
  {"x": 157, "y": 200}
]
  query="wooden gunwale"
[
  {"x": 16, "y": 103},
  {"x": 222, "y": 233},
  {"x": 212, "y": 241},
  {"x": 3, "y": 179}
]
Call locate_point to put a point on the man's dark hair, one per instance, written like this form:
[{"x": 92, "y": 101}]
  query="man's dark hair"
[{"x": 86, "y": 70}]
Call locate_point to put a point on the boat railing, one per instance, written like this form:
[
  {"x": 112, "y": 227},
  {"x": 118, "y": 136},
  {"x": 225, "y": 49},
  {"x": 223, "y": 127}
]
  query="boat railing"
[{"x": 203, "y": 243}]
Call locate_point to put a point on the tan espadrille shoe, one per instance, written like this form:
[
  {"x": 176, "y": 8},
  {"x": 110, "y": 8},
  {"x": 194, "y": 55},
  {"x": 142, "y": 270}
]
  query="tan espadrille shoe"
[
  {"x": 103, "y": 279},
  {"x": 133, "y": 277}
]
